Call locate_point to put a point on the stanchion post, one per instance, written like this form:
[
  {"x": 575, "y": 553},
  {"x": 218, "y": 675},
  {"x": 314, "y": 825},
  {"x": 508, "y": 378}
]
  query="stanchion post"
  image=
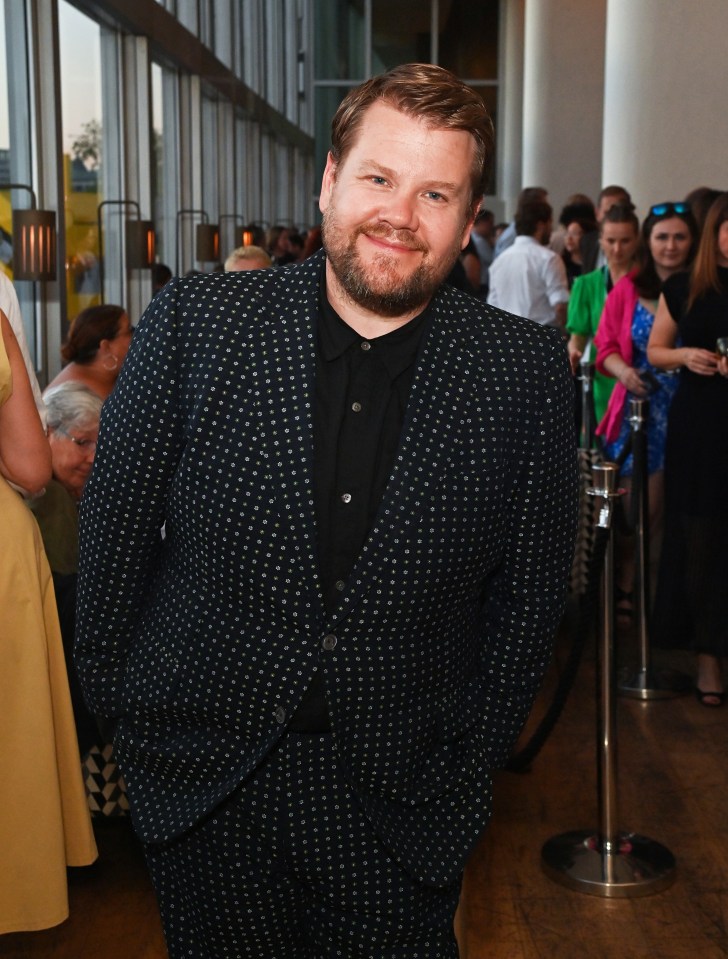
[
  {"x": 645, "y": 682},
  {"x": 606, "y": 862},
  {"x": 586, "y": 376}
]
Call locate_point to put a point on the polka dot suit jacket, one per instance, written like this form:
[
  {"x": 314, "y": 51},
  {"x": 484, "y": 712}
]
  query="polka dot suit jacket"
[{"x": 201, "y": 620}]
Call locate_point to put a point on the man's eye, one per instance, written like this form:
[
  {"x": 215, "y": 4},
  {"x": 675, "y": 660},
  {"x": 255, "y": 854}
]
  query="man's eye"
[
  {"x": 378, "y": 179},
  {"x": 434, "y": 195}
]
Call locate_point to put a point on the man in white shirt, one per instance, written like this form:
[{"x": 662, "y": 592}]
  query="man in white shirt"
[
  {"x": 528, "y": 279},
  {"x": 508, "y": 236}
]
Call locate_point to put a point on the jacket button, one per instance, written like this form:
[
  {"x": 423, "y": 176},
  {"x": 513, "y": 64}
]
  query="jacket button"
[
  {"x": 329, "y": 642},
  {"x": 280, "y": 715}
]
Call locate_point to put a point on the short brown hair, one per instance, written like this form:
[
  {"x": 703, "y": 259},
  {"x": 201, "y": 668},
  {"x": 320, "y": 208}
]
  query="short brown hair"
[
  {"x": 530, "y": 214},
  {"x": 91, "y": 326},
  {"x": 424, "y": 92},
  {"x": 615, "y": 190}
]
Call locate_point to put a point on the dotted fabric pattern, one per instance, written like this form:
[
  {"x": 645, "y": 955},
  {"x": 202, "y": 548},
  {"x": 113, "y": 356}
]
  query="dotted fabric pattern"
[
  {"x": 203, "y": 640},
  {"x": 288, "y": 868}
]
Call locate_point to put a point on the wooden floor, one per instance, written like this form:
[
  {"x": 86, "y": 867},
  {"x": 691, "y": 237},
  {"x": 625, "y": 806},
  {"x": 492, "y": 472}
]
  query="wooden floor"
[{"x": 673, "y": 779}]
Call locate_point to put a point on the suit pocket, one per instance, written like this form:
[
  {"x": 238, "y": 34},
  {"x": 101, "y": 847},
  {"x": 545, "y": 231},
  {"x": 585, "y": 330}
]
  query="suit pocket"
[
  {"x": 152, "y": 674},
  {"x": 424, "y": 751}
]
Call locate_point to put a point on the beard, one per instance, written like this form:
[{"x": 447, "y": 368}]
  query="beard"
[{"x": 379, "y": 286}]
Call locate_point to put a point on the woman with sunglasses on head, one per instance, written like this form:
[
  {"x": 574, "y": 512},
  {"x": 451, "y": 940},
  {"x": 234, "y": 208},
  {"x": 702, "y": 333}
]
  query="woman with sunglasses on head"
[
  {"x": 690, "y": 330},
  {"x": 668, "y": 239},
  {"x": 97, "y": 344}
]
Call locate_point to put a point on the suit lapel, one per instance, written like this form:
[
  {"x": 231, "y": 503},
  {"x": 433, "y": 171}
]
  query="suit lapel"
[{"x": 287, "y": 373}]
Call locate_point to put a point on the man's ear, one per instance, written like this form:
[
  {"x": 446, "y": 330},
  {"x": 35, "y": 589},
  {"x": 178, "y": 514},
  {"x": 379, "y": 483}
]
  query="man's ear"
[{"x": 327, "y": 182}]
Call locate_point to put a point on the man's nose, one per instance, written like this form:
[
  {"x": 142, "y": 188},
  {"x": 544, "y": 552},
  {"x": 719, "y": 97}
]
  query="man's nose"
[{"x": 400, "y": 211}]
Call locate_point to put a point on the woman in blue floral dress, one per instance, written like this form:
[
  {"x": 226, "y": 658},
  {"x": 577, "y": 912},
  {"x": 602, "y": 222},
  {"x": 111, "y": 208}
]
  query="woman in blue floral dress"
[{"x": 668, "y": 240}]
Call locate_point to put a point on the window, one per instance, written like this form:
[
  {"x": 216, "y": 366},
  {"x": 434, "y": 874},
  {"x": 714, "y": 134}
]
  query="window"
[
  {"x": 83, "y": 153},
  {"x": 355, "y": 40},
  {"x": 16, "y": 155}
]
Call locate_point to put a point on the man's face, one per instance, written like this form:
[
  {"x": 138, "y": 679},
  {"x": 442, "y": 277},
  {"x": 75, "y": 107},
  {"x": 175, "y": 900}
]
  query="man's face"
[{"x": 397, "y": 211}]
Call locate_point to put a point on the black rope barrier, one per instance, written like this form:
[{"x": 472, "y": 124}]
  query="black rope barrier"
[{"x": 627, "y": 521}]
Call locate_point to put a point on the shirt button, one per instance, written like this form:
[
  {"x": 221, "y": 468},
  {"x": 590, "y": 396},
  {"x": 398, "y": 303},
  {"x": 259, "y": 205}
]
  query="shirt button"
[
  {"x": 329, "y": 642},
  {"x": 366, "y": 346},
  {"x": 340, "y": 584},
  {"x": 356, "y": 407},
  {"x": 346, "y": 497},
  {"x": 280, "y": 715}
]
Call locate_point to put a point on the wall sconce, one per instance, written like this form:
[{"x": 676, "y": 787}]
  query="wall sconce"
[
  {"x": 34, "y": 240},
  {"x": 141, "y": 243},
  {"x": 140, "y": 240},
  {"x": 207, "y": 238},
  {"x": 207, "y": 242},
  {"x": 252, "y": 235}
]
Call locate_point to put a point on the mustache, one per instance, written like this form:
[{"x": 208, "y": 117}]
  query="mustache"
[{"x": 402, "y": 237}]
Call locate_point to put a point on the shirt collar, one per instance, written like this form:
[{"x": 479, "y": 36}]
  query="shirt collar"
[{"x": 396, "y": 350}]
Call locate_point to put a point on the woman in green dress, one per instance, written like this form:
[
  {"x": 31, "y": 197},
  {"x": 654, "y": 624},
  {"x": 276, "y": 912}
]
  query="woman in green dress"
[{"x": 618, "y": 240}]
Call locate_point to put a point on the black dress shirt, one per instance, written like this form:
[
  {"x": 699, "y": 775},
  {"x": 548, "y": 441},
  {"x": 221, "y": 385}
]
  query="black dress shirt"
[{"x": 362, "y": 390}]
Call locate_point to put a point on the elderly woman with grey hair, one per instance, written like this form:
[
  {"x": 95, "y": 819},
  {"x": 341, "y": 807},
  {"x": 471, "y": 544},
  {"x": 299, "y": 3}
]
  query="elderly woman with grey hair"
[{"x": 73, "y": 427}]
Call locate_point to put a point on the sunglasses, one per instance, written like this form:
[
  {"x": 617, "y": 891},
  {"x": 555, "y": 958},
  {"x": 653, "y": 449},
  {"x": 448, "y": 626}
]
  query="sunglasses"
[{"x": 660, "y": 209}]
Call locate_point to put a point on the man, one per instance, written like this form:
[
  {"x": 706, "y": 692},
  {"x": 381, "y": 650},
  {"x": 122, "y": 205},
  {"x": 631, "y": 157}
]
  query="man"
[
  {"x": 591, "y": 252},
  {"x": 366, "y": 481},
  {"x": 529, "y": 279},
  {"x": 508, "y": 236},
  {"x": 483, "y": 237}
]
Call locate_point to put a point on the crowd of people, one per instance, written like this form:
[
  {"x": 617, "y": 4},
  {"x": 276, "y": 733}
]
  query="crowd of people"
[{"x": 648, "y": 304}]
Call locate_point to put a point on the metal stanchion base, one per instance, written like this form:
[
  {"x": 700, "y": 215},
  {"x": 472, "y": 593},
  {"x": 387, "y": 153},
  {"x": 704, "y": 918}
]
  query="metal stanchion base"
[
  {"x": 641, "y": 867},
  {"x": 653, "y": 683}
]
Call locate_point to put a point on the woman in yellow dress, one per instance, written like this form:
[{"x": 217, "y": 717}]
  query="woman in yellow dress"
[{"x": 44, "y": 818}]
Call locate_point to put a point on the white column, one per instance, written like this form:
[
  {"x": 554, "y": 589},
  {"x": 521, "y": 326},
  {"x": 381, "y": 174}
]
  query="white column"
[
  {"x": 510, "y": 105},
  {"x": 563, "y": 96},
  {"x": 666, "y": 77}
]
